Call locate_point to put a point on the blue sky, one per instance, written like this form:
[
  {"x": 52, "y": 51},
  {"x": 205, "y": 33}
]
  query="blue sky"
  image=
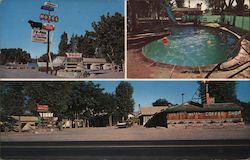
[
  {"x": 75, "y": 16},
  {"x": 146, "y": 92}
]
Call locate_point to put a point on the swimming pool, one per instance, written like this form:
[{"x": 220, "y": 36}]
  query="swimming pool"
[{"x": 192, "y": 46}]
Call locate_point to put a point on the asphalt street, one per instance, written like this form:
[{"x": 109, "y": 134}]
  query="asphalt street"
[{"x": 105, "y": 150}]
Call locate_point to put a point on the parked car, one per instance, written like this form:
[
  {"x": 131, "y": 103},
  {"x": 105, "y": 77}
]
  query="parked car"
[{"x": 124, "y": 124}]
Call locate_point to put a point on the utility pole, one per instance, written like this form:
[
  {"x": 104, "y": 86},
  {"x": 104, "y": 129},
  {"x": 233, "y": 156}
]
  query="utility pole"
[{"x": 182, "y": 95}]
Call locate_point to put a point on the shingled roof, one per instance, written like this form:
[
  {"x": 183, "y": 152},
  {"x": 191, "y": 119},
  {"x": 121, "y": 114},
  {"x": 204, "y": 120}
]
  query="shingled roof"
[
  {"x": 152, "y": 110},
  {"x": 206, "y": 108}
]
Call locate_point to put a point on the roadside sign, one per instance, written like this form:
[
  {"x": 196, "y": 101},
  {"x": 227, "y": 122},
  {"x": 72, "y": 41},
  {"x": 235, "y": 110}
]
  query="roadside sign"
[
  {"x": 46, "y": 115},
  {"x": 34, "y": 24},
  {"x": 49, "y": 18},
  {"x": 42, "y": 107},
  {"x": 49, "y": 4},
  {"x": 47, "y": 8},
  {"x": 49, "y": 27},
  {"x": 39, "y": 35}
]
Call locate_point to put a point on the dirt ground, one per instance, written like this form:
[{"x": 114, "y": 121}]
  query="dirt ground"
[
  {"x": 23, "y": 73},
  {"x": 34, "y": 74},
  {"x": 131, "y": 134}
]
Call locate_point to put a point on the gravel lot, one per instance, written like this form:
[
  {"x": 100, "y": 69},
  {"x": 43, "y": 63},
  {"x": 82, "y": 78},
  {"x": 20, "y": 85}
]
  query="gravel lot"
[
  {"x": 133, "y": 133},
  {"x": 34, "y": 74},
  {"x": 22, "y": 73}
]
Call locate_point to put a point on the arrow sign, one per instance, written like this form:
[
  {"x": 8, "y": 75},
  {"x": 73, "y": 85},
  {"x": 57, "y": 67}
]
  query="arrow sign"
[
  {"x": 47, "y": 8},
  {"x": 49, "y": 27},
  {"x": 34, "y": 24},
  {"x": 51, "y": 5}
]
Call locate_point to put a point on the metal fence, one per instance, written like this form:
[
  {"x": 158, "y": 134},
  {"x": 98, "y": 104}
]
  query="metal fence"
[{"x": 242, "y": 22}]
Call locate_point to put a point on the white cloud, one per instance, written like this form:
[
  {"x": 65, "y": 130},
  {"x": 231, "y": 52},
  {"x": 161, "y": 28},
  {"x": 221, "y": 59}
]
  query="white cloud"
[{"x": 1, "y": 1}]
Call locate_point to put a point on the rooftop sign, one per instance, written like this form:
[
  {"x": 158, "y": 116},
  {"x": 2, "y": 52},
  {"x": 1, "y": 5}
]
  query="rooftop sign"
[
  {"x": 42, "y": 107},
  {"x": 74, "y": 55}
]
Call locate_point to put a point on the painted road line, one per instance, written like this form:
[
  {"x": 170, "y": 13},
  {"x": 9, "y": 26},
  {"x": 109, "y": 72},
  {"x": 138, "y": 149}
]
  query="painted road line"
[{"x": 131, "y": 146}]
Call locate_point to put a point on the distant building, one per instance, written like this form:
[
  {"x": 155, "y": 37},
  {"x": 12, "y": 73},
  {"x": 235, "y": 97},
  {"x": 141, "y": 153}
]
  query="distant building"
[
  {"x": 93, "y": 63},
  {"x": 32, "y": 66},
  {"x": 195, "y": 115},
  {"x": 147, "y": 113},
  {"x": 75, "y": 62},
  {"x": 59, "y": 61},
  {"x": 179, "y": 12}
]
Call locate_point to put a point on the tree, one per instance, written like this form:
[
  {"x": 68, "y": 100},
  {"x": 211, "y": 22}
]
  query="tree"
[
  {"x": 12, "y": 99},
  {"x": 245, "y": 111},
  {"x": 179, "y": 3},
  {"x": 147, "y": 8},
  {"x": 220, "y": 6},
  {"x": 14, "y": 55},
  {"x": 44, "y": 57},
  {"x": 125, "y": 101},
  {"x": 84, "y": 101},
  {"x": 63, "y": 45},
  {"x": 240, "y": 6},
  {"x": 108, "y": 103},
  {"x": 73, "y": 43},
  {"x": 223, "y": 92},
  {"x": 162, "y": 102},
  {"x": 86, "y": 45},
  {"x": 109, "y": 37},
  {"x": 54, "y": 94}
]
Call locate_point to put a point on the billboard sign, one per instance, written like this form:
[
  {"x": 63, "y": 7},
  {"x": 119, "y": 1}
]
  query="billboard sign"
[
  {"x": 74, "y": 55},
  {"x": 42, "y": 107},
  {"x": 39, "y": 35},
  {"x": 51, "y": 5},
  {"x": 47, "y": 8}
]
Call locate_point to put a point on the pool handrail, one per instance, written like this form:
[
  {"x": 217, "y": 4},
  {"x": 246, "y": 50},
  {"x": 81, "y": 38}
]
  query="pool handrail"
[{"x": 230, "y": 55}]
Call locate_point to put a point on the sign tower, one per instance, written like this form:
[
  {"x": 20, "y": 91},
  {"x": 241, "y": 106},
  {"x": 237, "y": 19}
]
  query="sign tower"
[{"x": 41, "y": 32}]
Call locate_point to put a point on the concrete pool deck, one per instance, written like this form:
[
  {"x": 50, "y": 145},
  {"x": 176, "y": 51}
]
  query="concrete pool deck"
[{"x": 140, "y": 67}]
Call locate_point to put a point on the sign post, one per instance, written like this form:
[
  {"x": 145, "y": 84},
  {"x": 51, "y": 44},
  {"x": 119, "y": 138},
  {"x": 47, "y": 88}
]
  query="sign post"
[
  {"x": 41, "y": 109},
  {"x": 43, "y": 35}
]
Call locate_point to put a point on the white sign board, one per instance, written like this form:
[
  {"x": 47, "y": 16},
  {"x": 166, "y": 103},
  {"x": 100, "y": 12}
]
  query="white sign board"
[
  {"x": 46, "y": 115},
  {"x": 51, "y": 5},
  {"x": 39, "y": 35}
]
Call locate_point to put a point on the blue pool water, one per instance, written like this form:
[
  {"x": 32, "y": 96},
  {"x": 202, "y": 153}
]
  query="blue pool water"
[{"x": 193, "y": 46}]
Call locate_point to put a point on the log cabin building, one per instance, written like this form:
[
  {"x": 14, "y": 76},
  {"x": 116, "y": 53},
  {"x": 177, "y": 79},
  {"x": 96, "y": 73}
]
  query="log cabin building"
[{"x": 193, "y": 114}]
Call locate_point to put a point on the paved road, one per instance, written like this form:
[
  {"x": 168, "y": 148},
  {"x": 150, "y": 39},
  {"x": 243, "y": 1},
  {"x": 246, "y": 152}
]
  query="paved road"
[{"x": 109, "y": 150}]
